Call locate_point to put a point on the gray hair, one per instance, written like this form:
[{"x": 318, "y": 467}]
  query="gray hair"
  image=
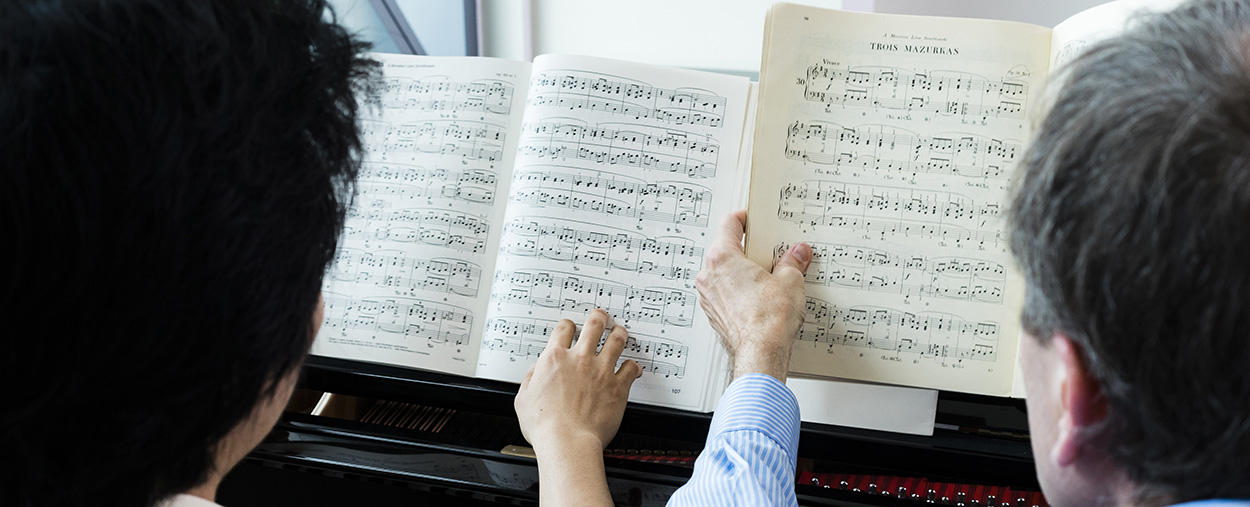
[{"x": 1131, "y": 222}]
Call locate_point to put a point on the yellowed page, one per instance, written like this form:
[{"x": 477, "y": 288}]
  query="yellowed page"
[
  {"x": 888, "y": 144},
  {"x": 412, "y": 277}
]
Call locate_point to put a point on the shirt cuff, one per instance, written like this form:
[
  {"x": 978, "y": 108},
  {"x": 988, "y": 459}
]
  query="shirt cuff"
[{"x": 759, "y": 402}]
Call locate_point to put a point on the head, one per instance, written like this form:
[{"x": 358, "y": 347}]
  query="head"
[
  {"x": 1131, "y": 223},
  {"x": 173, "y": 179}
]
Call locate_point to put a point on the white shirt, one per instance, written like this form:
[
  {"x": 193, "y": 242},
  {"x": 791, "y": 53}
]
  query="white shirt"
[{"x": 185, "y": 500}]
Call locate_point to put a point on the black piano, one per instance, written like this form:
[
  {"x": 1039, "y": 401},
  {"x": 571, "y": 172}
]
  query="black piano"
[{"x": 388, "y": 435}]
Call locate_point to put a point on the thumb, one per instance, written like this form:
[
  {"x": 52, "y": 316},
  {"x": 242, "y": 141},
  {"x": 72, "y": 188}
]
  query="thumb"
[
  {"x": 795, "y": 262},
  {"x": 629, "y": 371}
]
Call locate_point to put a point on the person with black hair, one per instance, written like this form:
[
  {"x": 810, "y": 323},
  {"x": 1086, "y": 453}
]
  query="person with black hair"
[{"x": 173, "y": 181}]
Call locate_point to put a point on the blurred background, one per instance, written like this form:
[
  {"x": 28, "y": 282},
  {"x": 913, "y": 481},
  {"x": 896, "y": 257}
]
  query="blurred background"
[{"x": 720, "y": 35}]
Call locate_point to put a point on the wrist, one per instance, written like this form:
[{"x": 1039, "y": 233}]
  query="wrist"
[
  {"x": 571, "y": 464},
  {"x": 769, "y": 334},
  {"x": 769, "y": 358},
  {"x": 568, "y": 443}
]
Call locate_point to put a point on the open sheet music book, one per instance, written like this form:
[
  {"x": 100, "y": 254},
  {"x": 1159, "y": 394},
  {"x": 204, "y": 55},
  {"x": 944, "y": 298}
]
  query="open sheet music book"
[{"x": 498, "y": 197}]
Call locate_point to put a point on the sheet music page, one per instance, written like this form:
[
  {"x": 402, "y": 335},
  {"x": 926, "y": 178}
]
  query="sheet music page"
[
  {"x": 1073, "y": 35},
  {"x": 720, "y": 368},
  {"x": 411, "y": 280},
  {"x": 888, "y": 143},
  {"x": 622, "y": 172}
]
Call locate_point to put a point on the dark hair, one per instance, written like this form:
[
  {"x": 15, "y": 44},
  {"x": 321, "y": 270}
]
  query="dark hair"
[
  {"x": 173, "y": 180},
  {"x": 1132, "y": 225}
]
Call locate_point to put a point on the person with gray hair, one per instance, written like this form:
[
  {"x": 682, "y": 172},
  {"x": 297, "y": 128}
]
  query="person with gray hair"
[
  {"x": 1130, "y": 225},
  {"x": 1131, "y": 221}
]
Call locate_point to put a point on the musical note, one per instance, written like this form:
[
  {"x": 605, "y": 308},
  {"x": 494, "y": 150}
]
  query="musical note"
[
  {"x": 454, "y": 231},
  {"x": 524, "y": 338},
  {"x": 436, "y": 323},
  {"x": 410, "y": 182},
  {"x": 662, "y": 202},
  {"x": 395, "y": 270},
  {"x": 614, "y": 95},
  {"x": 947, "y": 93},
  {"x": 857, "y": 267},
  {"x": 946, "y": 216},
  {"x": 581, "y": 243},
  {"x": 927, "y": 334},
  {"x": 462, "y": 140},
  {"x": 883, "y": 148},
  {"x": 629, "y": 145},
  {"x": 432, "y": 219},
  {"x": 571, "y": 292},
  {"x": 414, "y": 174},
  {"x": 437, "y": 94}
]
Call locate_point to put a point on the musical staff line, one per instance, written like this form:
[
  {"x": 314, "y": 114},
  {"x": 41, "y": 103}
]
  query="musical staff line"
[
  {"x": 578, "y": 293},
  {"x": 614, "y": 95},
  {"x": 412, "y": 182},
  {"x": 949, "y": 93},
  {"x": 898, "y": 150},
  {"x": 523, "y": 338},
  {"x": 588, "y": 244},
  {"x": 891, "y": 211},
  {"x": 414, "y": 174},
  {"x": 382, "y": 269},
  {"x": 661, "y": 202},
  {"x": 465, "y": 139},
  {"x": 437, "y": 323},
  {"x": 455, "y": 231},
  {"x": 630, "y": 145},
  {"x": 928, "y": 334},
  {"x": 857, "y": 267},
  {"x": 438, "y": 94}
]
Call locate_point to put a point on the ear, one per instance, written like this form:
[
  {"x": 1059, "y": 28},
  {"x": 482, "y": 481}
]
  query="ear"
[{"x": 1080, "y": 397}]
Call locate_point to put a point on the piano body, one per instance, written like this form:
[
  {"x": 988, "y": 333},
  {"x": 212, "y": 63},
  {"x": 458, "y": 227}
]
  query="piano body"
[{"x": 456, "y": 439}]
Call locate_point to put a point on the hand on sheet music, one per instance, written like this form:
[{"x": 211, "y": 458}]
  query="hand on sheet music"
[
  {"x": 756, "y": 313},
  {"x": 570, "y": 405},
  {"x": 574, "y": 393}
]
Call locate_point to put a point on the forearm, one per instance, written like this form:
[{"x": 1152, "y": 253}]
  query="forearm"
[
  {"x": 751, "y": 450},
  {"x": 572, "y": 473}
]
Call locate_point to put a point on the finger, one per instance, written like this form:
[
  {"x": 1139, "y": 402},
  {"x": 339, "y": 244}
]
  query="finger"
[
  {"x": 562, "y": 335},
  {"x": 732, "y": 228},
  {"x": 614, "y": 345},
  {"x": 592, "y": 330},
  {"x": 794, "y": 263},
  {"x": 629, "y": 371}
]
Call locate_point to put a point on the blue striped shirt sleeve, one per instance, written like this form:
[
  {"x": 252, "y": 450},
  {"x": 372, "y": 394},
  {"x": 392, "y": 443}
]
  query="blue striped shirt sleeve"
[{"x": 751, "y": 450}]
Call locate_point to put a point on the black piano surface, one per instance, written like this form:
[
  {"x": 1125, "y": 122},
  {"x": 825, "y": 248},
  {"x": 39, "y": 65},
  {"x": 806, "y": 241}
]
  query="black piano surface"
[{"x": 457, "y": 459}]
